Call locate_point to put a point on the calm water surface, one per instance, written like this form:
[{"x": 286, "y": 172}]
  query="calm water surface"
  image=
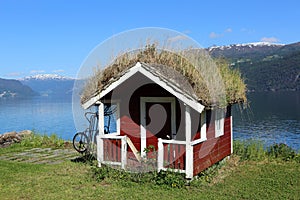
[
  {"x": 43, "y": 115},
  {"x": 271, "y": 117}
]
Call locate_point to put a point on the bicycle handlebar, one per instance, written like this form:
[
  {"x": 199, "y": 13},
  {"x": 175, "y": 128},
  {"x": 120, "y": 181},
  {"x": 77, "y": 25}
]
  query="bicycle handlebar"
[{"x": 90, "y": 113}]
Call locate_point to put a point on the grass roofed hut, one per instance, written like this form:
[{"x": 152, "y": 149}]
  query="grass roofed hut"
[{"x": 174, "y": 108}]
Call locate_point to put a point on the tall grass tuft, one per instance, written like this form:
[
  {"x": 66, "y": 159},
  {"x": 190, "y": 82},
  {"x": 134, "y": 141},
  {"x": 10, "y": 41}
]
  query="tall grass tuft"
[
  {"x": 254, "y": 150},
  {"x": 38, "y": 140},
  {"x": 249, "y": 150}
]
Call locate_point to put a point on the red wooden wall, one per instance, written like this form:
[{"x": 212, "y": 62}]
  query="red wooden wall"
[
  {"x": 214, "y": 149},
  {"x": 130, "y": 114},
  {"x": 205, "y": 154}
]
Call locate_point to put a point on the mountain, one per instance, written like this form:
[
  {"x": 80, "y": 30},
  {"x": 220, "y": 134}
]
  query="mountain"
[
  {"x": 50, "y": 85},
  {"x": 15, "y": 89},
  {"x": 241, "y": 51},
  {"x": 264, "y": 66}
]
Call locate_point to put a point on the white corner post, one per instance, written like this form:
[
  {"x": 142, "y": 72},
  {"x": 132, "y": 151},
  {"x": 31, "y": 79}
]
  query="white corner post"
[
  {"x": 231, "y": 134},
  {"x": 160, "y": 156},
  {"x": 123, "y": 152},
  {"x": 143, "y": 127},
  {"x": 100, "y": 156},
  {"x": 203, "y": 125},
  {"x": 188, "y": 148}
]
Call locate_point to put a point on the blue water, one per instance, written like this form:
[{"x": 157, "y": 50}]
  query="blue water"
[
  {"x": 44, "y": 115},
  {"x": 271, "y": 117}
]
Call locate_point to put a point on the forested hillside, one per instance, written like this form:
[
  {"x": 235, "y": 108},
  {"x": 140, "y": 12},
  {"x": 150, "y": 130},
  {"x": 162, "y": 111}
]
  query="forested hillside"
[
  {"x": 265, "y": 67},
  {"x": 14, "y": 88}
]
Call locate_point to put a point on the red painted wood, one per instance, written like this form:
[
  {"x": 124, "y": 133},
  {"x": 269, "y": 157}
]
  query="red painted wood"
[
  {"x": 114, "y": 153},
  {"x": 214, "y": 149},
  {"x": 177, "y": 161},
  {"x": 112, "y": 150}
]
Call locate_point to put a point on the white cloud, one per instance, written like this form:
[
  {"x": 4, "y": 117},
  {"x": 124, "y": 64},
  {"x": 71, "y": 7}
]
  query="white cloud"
[
  {"x": 37, "y": 71},
  {"x": 228, "y": 30},
  {"x": 214, "y": 35},
  {"x": 269, "y": 39},
  {"x": 14, "y": 74},
  {"x": 177, "y": 38}
]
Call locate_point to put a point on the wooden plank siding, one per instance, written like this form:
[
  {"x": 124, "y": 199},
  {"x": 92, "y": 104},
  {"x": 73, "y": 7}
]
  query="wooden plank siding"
[
  {"x": 214, "y": 149},
  {"x": 174, "y": 156},
  {"x": 111, "y": 150},
  {"x": 131, "y": 130}
]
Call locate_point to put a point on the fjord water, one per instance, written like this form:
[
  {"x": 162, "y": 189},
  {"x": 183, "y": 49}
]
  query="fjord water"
[
  {"x": 272, "y": 117},
  {"x": 41, "y": 114}
]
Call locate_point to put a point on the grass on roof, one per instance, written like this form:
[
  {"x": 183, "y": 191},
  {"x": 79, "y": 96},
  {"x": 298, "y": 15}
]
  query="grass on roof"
[{"x": 213, "y": 81}]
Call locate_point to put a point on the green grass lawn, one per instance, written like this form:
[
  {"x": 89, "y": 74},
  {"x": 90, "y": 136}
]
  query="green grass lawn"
[
  {"x": 248, "y": 180},
  {"x": 264, "y": 179}
]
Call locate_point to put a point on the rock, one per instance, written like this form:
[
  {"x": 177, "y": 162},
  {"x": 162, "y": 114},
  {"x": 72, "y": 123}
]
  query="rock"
[
  {"x": 17, "y": 139},
  {"x": 6, "y": 139},
  {"x": 25, "y": 133},
  {"x": 9, "y": 135}
]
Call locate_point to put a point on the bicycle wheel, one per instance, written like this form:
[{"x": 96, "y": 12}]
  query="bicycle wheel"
[{"x": 80, "y": 142}]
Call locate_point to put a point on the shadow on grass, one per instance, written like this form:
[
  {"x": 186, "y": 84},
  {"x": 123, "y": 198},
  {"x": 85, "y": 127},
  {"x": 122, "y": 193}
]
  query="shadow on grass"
[{"x": 84, "y": 158}]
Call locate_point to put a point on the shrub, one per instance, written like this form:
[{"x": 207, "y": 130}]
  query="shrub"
[
  {"x": 169, "y": 178},
  {"x": 162, "y": 178},
  {"x": 249, "y": 150},
  {"x": 254, "y": 150},
  {"x": 282, "y": 151}
]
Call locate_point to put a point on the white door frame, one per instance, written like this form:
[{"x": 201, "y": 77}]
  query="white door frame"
[{"x": 143, "y": 102}]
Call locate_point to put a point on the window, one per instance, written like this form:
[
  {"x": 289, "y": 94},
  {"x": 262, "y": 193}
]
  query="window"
[
  {"x": 219, "y": 122},
  {"x": 111, "y": 118}
]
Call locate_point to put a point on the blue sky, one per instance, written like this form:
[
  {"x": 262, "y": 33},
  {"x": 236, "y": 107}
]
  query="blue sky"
[{"x": 55, "y": 36}]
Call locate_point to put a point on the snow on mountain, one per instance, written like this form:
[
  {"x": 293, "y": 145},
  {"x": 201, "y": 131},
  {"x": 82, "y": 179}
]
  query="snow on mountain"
[
  {"x": 46, "y": 77},
  {"x": 50, "y": 85},
  {"x": 247, "y": 45}
]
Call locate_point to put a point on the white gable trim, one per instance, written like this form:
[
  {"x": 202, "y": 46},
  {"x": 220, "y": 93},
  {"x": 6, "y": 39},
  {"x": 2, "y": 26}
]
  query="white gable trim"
[
  {"x": 112, "y": 86},
  {"x": 174, "y": 90}
]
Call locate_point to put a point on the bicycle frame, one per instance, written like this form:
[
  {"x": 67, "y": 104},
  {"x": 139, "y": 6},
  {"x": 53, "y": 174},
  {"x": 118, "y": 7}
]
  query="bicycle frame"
[{"x": 84, "y": 142}]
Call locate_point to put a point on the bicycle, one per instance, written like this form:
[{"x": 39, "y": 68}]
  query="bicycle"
[{"x": 83, "y": 142}]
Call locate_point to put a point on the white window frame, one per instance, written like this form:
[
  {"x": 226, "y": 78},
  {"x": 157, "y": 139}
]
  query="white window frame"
[
  {"x": 219, "y": 116},
  {"x": 117, "y": 103},
  {"x": 202, "y": 129}
]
